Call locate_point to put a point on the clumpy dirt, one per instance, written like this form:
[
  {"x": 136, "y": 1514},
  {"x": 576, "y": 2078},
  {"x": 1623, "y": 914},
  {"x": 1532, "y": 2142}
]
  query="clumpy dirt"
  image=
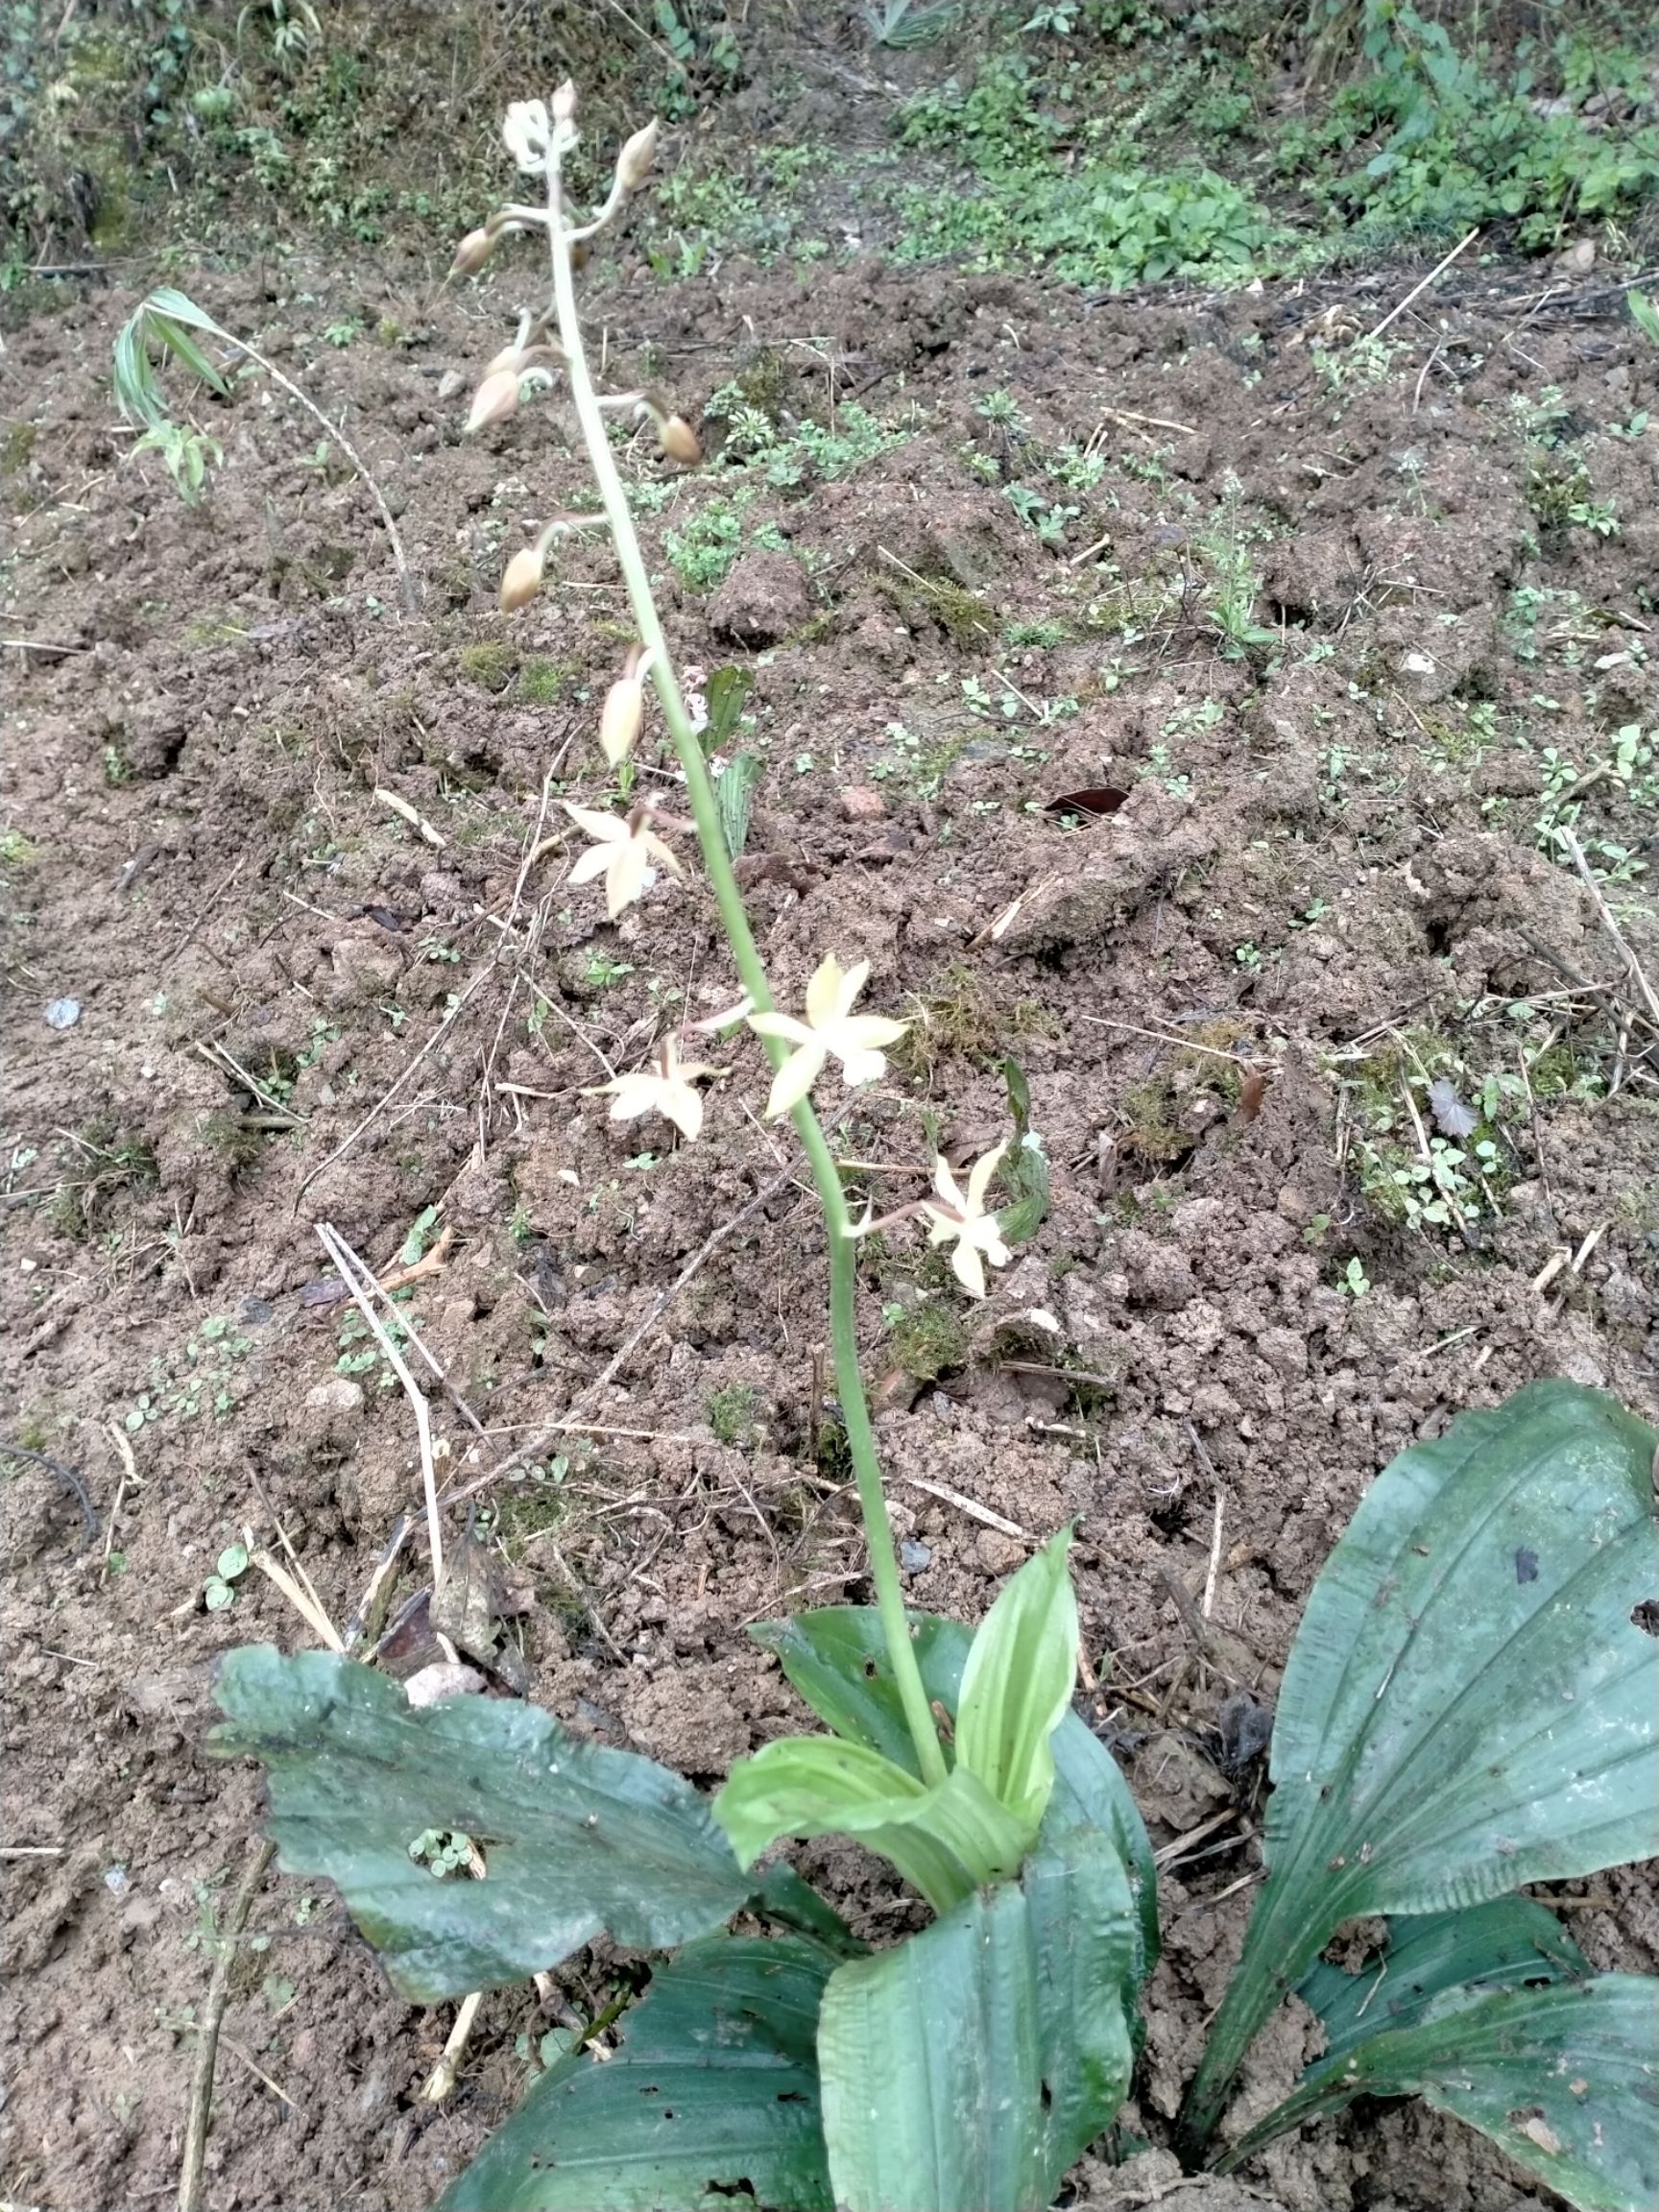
[{"x": 296, "y": 1006}]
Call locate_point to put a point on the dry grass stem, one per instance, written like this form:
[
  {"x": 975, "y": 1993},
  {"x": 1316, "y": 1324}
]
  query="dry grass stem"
[
  {"x": 357, "y": 1279},
  {"x": 190, "y": 2177}
]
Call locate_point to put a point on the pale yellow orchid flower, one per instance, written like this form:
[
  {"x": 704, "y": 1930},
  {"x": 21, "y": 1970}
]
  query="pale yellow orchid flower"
[
  {"x": 666, "y": 1085},
  {"x": 964, "y": 1220},
  {"x": 625, "y": 850},
  {"x": 831, "y": 1031}
]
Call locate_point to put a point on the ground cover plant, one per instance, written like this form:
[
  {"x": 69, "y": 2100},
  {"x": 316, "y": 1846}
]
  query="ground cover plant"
[{"x": 1470, "y": 1704}]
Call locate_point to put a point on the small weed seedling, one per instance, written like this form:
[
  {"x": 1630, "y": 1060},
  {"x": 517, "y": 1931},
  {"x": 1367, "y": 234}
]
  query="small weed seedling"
[
  {"x": 220, "y": 1588},
  {"x": 1471, "y": 1706}
]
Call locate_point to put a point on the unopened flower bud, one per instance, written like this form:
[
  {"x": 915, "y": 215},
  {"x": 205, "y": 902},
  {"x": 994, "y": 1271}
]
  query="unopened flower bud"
[
  {"x": 510, "y": 357},
  {"x": 679, "y": 441},
  {"x": 621, "y": 722},
  {"x": 634, "y": 162},
  {"x": 494, "y": 400},
  {"x": 474, "y": 251},
  {"x": 564, "y": 102},
  {"x": 522, "y": 579}
]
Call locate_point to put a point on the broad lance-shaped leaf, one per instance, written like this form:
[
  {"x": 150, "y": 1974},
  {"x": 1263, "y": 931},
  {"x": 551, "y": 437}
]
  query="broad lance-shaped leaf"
[
  {"x": 837, "y": 1659},
  {"x": 1469, "y": 1703},
  {"x": 966, "y": 2069},
  {"x": 945, "y": 1841},
  {"x": 1431, "y": 1966},
  {"x": 1020, "y": 1671},
  {"x": 713, "y": 2096},
  {"x": 578, "y": 1840},
  {"x": 1493, "y": 2014}
]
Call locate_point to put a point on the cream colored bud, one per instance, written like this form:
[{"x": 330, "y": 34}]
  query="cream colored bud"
[
  {"x": 494, "y": 400},
  {"x": 679, "y": 441},
  {"x": 564, "y": 102},
  {"x": 474, "y": 251},
  {"x": 634, "y": 162},
  {"x": 620, "y": 723},
  {"x": 510, "y": 357},
  {"x": 522, "y": 579}
]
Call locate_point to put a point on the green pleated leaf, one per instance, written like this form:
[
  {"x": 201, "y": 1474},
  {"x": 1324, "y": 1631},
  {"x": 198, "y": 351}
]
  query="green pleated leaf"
[
  {"x": 1020, "y": 1671},
  {"x": 1493, "y": 2014},
  {"x": 837, "y": 1659},
  {"x": 578, "y": 1840},
  {"x": 713, "y": 2096},
  {"x": 965, "y": 2070},
  {"x": 945, "y": 1841},
  {"x": 165, "y": 319},
  {"x": 1511, "y": 1944},
  {"x": 1469, "y": 1703}
]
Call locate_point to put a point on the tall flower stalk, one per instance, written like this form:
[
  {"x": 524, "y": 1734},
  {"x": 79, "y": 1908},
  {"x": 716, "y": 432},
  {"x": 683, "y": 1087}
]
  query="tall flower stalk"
[{"x": 544, "y": 141}]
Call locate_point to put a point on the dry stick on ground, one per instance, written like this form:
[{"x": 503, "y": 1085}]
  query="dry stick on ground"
[
  {"x": 70, "y": 1479},
  {"x": 1160, "y": 1037},
  {"x": 441, "y": 2079},
  {"x": 297, "y": 1588},
  {"x": 129, "y": 1479},
  {"x": 208, "y": 2028},
  {"x": 1444, "y": 263},
  {"x": 355, "y": 1275},
  {"x": 1632, "y": 966}
]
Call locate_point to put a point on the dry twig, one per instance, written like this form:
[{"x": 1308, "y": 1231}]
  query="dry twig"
[{"x": 207, "y": 2030}]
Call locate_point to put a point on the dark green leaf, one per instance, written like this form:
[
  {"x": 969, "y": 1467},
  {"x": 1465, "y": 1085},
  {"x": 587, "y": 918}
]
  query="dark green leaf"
[
  {"x": 1469, "y": 1703},
  {"x": 1493, "y": 2014},
  {"x": 784, "y": 1898},
  {"x": 838, "y": 1660},
  {"x": 1016, "y": 1684},
  {"x": 735, "y": 794},
  {"x": 714, "y": 2090},
  {"x": 1511, "y": 1944},
  {"x": 1019, "y": 1096},
  {"x": 726, "y": 690},
  {"x": 966, "y": 2069},
  {"x": 577, "y": 1838}
]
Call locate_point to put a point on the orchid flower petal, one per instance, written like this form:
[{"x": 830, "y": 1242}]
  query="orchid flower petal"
[{"x": 795, "y": 1079}]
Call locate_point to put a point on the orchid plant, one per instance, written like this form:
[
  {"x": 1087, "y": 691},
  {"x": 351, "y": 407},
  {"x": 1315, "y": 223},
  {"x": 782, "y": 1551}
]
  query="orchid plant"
[
  {"x": 628, "y": 850},
  {"x": 1471, "y": 1705}
]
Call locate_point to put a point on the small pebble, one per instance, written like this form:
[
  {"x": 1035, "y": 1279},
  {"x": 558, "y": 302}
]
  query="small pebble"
[
  {"x": 63, "y": 1013},
  {"x": 338, "y": 1394},
  {"x": 913, "y": 1556},
  {"x": 860, "y": 803}
]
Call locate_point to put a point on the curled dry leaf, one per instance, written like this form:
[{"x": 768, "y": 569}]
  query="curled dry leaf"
[{"x": 1097, "y": 800}]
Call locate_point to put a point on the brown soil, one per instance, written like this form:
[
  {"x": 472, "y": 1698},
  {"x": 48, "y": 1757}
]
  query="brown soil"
[{"x": 1327, "y": 842}]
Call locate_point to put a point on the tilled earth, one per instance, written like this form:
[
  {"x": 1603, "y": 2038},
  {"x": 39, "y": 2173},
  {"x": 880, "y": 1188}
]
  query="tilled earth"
[{"x": 1321, "y": 614}]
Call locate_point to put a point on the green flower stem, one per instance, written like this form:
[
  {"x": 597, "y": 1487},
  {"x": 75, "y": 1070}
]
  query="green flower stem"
[{"x": 751, "y": 974}]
